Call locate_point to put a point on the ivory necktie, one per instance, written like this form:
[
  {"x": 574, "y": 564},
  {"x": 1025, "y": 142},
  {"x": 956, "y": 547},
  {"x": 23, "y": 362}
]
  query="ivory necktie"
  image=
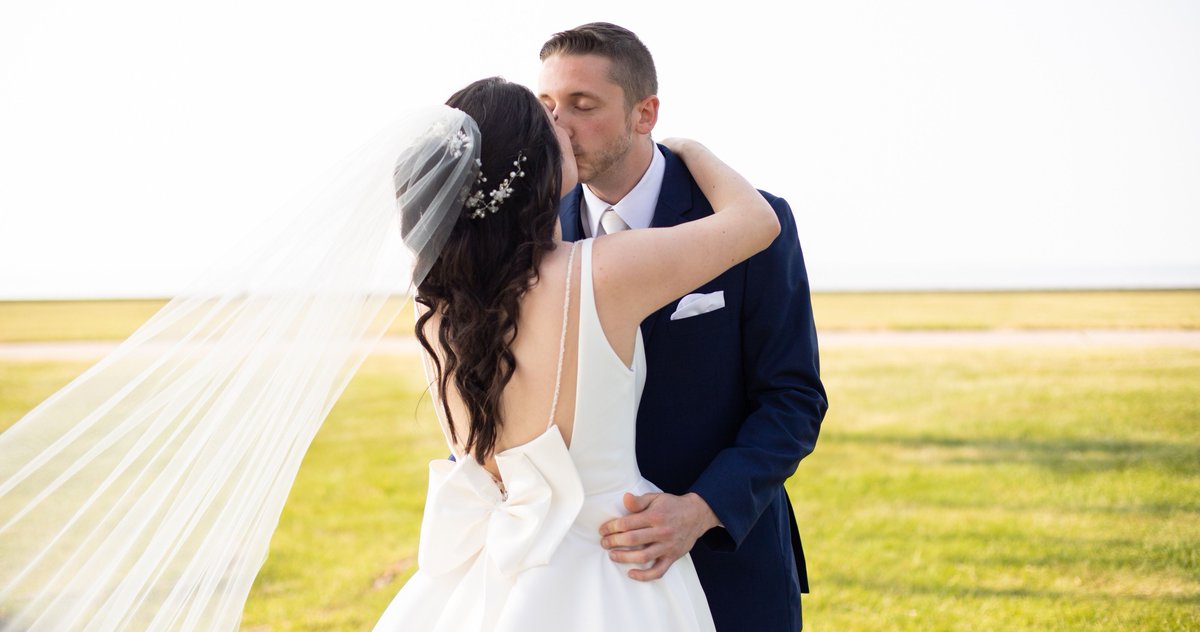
[{"x": 611, "y": 223}]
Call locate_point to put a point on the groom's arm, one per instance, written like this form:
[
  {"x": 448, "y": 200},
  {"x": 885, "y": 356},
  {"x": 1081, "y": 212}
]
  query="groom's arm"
[
  {"x": 783, "y": 384},
  {"x": 782, "y": 375}
]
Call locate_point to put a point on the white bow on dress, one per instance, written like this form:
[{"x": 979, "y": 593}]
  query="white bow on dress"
[{"x": 465, "y": 512}]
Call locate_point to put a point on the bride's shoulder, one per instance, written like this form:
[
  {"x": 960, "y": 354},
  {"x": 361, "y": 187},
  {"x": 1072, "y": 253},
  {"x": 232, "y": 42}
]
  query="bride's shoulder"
[
  {"x": 548, "y": 280},
  {"x": 554, "y": 263}
]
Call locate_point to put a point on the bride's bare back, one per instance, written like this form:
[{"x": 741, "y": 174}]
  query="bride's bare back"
[
  {"x": 635, "y": 273},
  {"x": 529, "y": 395}
]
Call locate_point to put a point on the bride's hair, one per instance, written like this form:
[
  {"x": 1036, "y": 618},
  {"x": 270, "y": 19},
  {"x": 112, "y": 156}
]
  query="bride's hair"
[{"x": 488, "y": 264}]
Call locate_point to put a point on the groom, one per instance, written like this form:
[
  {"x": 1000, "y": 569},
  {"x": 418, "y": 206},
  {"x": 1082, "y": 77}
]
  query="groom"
[{"x": 733, "y": 397}]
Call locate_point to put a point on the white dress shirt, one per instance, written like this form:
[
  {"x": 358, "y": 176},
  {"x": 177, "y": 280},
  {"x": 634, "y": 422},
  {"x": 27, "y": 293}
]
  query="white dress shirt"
[{"x": 636, "y": 208}]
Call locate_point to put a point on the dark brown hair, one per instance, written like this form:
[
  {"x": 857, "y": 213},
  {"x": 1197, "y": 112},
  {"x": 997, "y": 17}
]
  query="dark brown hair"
[
  {"x": 632, "y": 65},
  {"x": 488, "y": 264}
]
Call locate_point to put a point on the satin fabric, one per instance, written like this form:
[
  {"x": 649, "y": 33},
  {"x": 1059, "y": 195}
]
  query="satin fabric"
[{"x": 532, "y": 562}]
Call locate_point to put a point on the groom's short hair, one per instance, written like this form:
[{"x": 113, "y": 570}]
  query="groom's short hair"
[{"x": 632, "y": 65}]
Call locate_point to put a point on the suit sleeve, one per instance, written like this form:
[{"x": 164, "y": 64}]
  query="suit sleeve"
[{"x": 783, "y": 386}]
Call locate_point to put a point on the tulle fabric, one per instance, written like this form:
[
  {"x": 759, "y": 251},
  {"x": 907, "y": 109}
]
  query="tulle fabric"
[{"x": 144, "y": 493}]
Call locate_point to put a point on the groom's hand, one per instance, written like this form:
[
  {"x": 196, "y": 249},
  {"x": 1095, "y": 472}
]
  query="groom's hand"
[{"x": 661, "y": 527}]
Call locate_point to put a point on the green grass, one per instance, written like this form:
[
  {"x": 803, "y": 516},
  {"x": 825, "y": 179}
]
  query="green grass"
[
  {"x": 347, "y": 539},
  {"x": 1038, "y": 489},
  {"x": 952, "y": 489},
  {"x": 114, "y": 320},
  {"x": 73, "y": 320},
  {"x": 1007, "y": 310},
  {"x": 29, "y": 321}
]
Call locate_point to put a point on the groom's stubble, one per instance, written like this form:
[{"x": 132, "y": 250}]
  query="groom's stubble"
[
  {"x": 610, "y": 137},
  {"x": 605, "y": 162}
]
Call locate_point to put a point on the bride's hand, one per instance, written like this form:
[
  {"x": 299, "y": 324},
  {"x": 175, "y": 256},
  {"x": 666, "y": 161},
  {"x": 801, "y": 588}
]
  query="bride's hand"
[{"x": 680, "y": 146}]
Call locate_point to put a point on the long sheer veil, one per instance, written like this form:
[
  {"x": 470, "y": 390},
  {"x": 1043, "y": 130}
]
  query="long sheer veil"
[{"x": 144, "y": 493}]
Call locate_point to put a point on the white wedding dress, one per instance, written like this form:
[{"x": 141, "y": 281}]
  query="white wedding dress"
[{"x": 531, "y": 560}]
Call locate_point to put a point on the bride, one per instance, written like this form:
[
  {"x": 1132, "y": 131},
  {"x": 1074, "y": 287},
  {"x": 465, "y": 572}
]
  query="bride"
[{"x": 143, "y": 495}]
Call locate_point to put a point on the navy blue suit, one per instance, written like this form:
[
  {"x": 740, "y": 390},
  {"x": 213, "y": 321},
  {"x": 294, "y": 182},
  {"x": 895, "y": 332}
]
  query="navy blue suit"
[{"x": 733, "y": 401}]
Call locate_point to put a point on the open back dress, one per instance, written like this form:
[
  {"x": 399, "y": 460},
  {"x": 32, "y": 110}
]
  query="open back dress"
[{"x": 527, "y": 557}]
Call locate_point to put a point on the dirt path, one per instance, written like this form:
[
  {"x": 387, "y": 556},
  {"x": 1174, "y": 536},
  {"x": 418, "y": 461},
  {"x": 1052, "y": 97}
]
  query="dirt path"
[{"x": 1189, "y": 339}]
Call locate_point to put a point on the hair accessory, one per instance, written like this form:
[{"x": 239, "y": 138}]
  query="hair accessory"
[
  {"x": 459, "y": 142},
  {"x": 497, "y": 195}
]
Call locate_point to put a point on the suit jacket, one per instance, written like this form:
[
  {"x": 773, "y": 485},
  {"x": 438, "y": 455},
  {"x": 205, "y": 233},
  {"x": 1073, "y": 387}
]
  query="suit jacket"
[{"x": 733, "y": 401}]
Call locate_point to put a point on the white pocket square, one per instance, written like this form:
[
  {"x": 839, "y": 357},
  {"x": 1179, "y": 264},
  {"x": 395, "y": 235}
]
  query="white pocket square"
[{"x": 696, "y": 304}]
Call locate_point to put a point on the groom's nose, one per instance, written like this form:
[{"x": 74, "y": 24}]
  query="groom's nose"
[{"x": 563, "y": 121}]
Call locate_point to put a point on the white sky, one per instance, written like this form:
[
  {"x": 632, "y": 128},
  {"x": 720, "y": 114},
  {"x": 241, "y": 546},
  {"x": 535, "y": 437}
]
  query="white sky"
[{"x": 921, "y": 144}]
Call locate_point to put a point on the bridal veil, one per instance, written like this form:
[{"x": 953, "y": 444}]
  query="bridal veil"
[{"x": 143, "y": 494}]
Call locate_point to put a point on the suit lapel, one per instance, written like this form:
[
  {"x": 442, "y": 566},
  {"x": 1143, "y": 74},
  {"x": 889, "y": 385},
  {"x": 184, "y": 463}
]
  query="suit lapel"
[
  {"x": 570, "y": 216},
  {"x": 674, "y": 204},
  {"x": 675, "y": 198}
]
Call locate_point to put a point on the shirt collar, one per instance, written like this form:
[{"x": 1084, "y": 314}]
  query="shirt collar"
[{"x": 637, "y": 207}]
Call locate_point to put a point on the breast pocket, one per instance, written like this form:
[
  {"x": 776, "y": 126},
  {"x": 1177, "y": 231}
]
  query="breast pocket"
[
  {"x": 708, "y": 323},
  {"x": 696, "y": 351},
  {"x": 707, "y": 311}
]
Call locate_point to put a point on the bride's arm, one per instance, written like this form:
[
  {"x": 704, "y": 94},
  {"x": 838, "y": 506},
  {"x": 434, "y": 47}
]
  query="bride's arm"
[{"x": 639, "y": 271}]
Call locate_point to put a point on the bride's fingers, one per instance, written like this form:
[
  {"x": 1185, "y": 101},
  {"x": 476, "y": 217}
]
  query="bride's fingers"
[{"x": 654, "y": 572}]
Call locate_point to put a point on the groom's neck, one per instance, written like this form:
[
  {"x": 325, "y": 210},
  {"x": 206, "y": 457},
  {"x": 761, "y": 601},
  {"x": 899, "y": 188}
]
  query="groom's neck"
[{"x": 618, "y": 181}]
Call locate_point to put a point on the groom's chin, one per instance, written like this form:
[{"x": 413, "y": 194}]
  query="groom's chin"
[{"x": 584, "y": 172}]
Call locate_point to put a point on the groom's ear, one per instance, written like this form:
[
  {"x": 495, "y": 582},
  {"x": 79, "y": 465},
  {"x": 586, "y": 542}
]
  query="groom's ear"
[{"x": 645, "y": 115}]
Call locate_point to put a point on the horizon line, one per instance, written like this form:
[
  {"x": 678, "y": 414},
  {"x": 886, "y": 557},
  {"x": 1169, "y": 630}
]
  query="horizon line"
[{"x": 899, "y": 290}]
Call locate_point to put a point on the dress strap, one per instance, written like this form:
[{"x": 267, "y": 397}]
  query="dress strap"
[{"x": 562, "y": 341}]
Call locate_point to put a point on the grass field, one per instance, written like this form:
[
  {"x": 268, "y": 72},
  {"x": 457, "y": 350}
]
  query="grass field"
[
  {"x": 1007, "y": 310},
  {"x": 1180, "y": 309},
  {"x": 952, "y": 489},
  {"x": 1034, "y": 489}
]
